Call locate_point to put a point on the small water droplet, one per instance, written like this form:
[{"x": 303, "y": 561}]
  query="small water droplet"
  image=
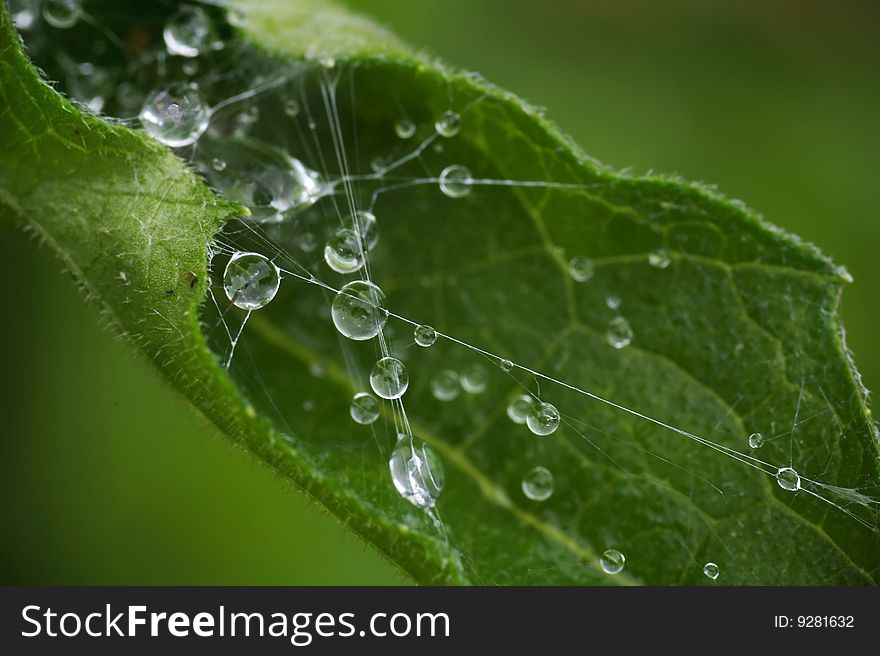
[
  {"x": 358, "y": 310},
  {"x": 218, "y": 164},
  {"x": 506, "y": 365},
  {"x": 613, "y": 302},
  {"x": 537, "y": 485},
  {"x": 404, "y": 128},
  {"x": 307, "y": 241},
  {"x": 542, "y": 418},
  {"x": 343, "y": 252},
  {"x": 366, "y": 227},
  {"x": 250, "y": 280},
  {"x": 788, "y": 479},
  {"x": 190, "y": 67},
  {"x": 389, "y": 378},
  {"x": 328, "y": 62},
  {"x": 455, "y": 181},
  {"x": 711, "y": 570},
  {"x": 448, "y": 124},
  {"x": 445, "y": 385},
  {"x": 188, "y": 32},
  {"x": 580, "y": 268},
  {"x": 62, "y": 14},
  {"x": 660, "y": 259},
  {"x": 612, "y": 561},
  {"x": 176, "y": 116},
  {"x": 756, "y": 440},
  {"x": 425, "y": 336},
  {"x": 291, "y": 107},
  {"x": 417, "y": 473},
  {"x": 474, "y": 379},
  {"x": 518, "y": 408},
  {"x": 364, "y": 408},
  {"x": 619, "y": 333}
]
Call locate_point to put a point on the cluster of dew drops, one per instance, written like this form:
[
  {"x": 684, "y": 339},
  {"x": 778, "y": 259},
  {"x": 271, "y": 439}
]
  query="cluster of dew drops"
[{"x": 178, "y": 116}]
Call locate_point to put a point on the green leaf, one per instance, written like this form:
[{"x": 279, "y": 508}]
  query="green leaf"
[{"x": 740, "y": 333}]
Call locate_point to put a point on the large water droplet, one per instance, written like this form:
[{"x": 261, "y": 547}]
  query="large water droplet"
[
  {"x": 250, "y": 280},
  {"x": 474, "y": 379},
  {"x": 176, "y": 116},
  {"x": 62, "y": 14},
  {"x": 580, "y": 268},
  {"x": 404, "y": 128},
  {"x": 756, "y": 440},
  {"x": 425, "y": 336},
  {"x": 343, "y": 253},
  {"x": 448, "y": 124},
  {"x": 358, "y": 310},
  {"x": 537, "y": 485},
  {"x": 788, "y": 479},
  {"x": 389, "y": 378},
  {"x": 619, "y": 333},
  {"x": 188, "y": 32},
  {"x": 456, "y": 181},
  {"x": 417, "y": 473},
  {"x": 711, "y": 570},
  {"x": 518, "y": 408},
  {"x": 364, "y": 408},
  {"x": 612, "y": 561},
  {"x": 542, "y": 418},
  {"x": 445, "y": 385}
]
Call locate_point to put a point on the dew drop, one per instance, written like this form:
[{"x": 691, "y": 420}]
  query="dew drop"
[
  {"x": 537, "y": 485},
  {"x": 404, "y": 128},
  {"x": 612, "y": 561},
  {"x": 788, "y": 479},
  {"x": 250, "y": 280},
  {"x": 619, "y": 333},
  {"x": 474, "y": 379},
  {"x": 176, "y": 116},
  {"x": 449, "y": 124},
  {"x": 711, "y": 570},
  {"x": 366, "y": 227},
  {"x": 580, "y": 268},
  {"x": 62, "y": 14},
  {"x": 425, "y": 336},
  {"x": 307, "y": 242},
  {"x": 659, "y": 259},
  {"x": 506, "y": 365},
  {"x": 190, "y": 68},
  {"x": 218, "y": 164},
  {"x": 756, "y": 440},
  {"x": 417, "y": 473},
  {"x": 364, "y": 408},
  {"x": 188, "y": 32},
  {"x": 291, "y": 107},
  {"x": 445, "y": 385},
  {"x": 613, "y": 302},
  {"x": 518, "y": 408},
  {"x": 358, "y": 310},
  {"x": 542, "y": 418},
  {"x": 455, "y": 181},
  {"x": 389, "y": 378},
  {"x": 343, "y": 253}
]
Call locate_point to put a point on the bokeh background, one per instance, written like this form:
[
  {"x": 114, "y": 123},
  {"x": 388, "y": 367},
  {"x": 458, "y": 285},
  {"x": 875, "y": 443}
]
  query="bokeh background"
[{"x": 107, "y": 478}]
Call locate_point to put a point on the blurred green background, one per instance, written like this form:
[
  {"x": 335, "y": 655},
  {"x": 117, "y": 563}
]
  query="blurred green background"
[{"x": 105, "y": 477}]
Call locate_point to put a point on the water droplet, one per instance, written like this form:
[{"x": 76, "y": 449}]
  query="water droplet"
[
  {"x": 307, "y": 241},
  {"x": 404, "y": 128},
  {"x": 417, "y": 473},
  {"x": 291, "y": 107},
  {"x": 788, "y": 479},
  {"x": 218, "y": 164},
  {"x": 660, "y": 258},
  {"x": 367, "y": 228},
  {"x": 389, "y": 378},
  {"x": 358, "y": 310},
  {"x": 445, "y": 385},
  {"x": 711, "y": 570},
  {"x": 613, "y": 302},
  {"x": 474, "y": 379},
  {"x": 537, "y": 485},
  {"x": 612, "y": 561},
  {"x": 542, "y": 418},
  {"x": 364, "y": 408},
  {"x": 455, "y": 181},
  {"x": 506, "y": 365},
  {"x": 425, "y": 336},
  {"x": 23, "y": 13},
  {"x": 619, "y": 333},
  {"x": 756, "y": 440},
  {"x": 190, "y": 67},
  {"x": 250, "y": 280},
  {"x": 62, "y": 14},
  {"x": 343, "y": 253},
  {"x": 188, "y": 32},
  {"x": 328, "y": 62},
  {"x": 580, "y": 268},
  {"x": 176, "y": 116},
  {"x": 518, "y": 408},
  {"x": 448, "y": 124}
]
